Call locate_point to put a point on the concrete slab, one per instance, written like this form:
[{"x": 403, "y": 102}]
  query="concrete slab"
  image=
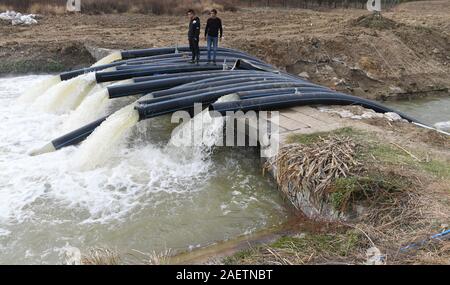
[
  {"x": 302, "y": 118},
  {"x": 315, "y": 113},
  {"x": 290, "y": 124}
]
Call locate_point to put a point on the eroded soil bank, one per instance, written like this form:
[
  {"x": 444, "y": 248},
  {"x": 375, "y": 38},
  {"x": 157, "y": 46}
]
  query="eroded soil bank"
[{"x": 405, "y": 54}]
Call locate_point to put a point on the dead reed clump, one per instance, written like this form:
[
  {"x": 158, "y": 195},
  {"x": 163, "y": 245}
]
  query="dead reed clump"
[
  {"x": 312, "y": 167},
  {"x": 101, "y": 256},
  {"x": 154, "y": 258}
]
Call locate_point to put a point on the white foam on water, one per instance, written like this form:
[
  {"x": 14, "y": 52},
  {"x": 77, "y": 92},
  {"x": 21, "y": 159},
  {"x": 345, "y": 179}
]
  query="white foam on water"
[
  {"x": 444, "y": 126},
  {"x": 66, "y": 95},
  {"x": 33, "y": 92},
  {"x": 4, "y": 232},
  {"x": 201, "y": 132}
]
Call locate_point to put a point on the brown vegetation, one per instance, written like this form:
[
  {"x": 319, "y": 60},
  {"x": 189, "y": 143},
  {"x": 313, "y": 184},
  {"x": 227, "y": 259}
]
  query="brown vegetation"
[
  {"x": 158, "y": 7},
  {"x": 391, "y": 204},
  {"x": 174, "y": 6}
]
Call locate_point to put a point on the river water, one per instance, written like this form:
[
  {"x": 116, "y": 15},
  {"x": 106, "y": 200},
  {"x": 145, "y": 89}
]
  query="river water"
[
  {"x": 428, "y": 110},
  {"x": 142, "y": 198}
]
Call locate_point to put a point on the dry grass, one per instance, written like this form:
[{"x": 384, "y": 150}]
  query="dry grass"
[
  {"x": 101, "y": 256},
  {"x": 341, "y": 247},
  {"x": 47, "y": 9},
  {"x": 154, "y": 258},
  {"x": 107, "y": 256},
  {"x": 312, "y": 167},
  {"x": 171, "y": 7},
  {"x": 168, "y": 6},
  {"x": 392, "y": 196}
]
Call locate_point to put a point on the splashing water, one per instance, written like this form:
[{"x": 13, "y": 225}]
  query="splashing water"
[
  {"x": 141, "y": 197},
  {"x": 38, "y": 89},
  {"x": 99, "y": 145},
  {"x": 109, "y": 58},
  {"x": 444, "y": 126},
  {"x": 94, "y": 106},
  {"x": 203, "y": 131},
  {"x": 66, "y": 95}
]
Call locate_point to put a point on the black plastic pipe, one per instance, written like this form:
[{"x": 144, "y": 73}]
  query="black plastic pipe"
[
  {"x": 180, "y": 93},
  {"x": 77, "y": 135},
  {"x": 154, "y": 55},
  {"x": 74, "y": 73},
  {"x": 292, "y": 100},
  {"x": 218, "y": 82},
  {"x": 247, "y": 65},
  {"x": 183, "y": 74},
  {"x": 176, "y": 103},
  {"x": 154, "y": 85},
  {"x": 128, "y": 54},
  {"x": 241, "y": 83},
  {"x": 306, "y": 92},
  {"x": 220, "y": 56},
  {"x": 279, "y": 91},
  {"x": 233, "y": 74},
  {"x": 220, "y": 61},
  {"x": 127, "y": 74}
]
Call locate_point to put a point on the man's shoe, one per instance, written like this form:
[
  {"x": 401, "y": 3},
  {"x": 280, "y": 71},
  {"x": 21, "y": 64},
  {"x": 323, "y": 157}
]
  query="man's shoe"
[
  {"x": 214, "y": 62},
  {"x": 197, "y": 62},
  {"x": 209, "y": 62},
  {"x": 192, "y": 61}
]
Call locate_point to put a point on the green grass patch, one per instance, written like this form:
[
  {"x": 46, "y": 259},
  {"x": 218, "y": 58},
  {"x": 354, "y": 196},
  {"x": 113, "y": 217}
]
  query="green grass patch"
[
  {"x": 372, "y": 189},
  {"x": 389, "y": 154},
  {"x": 313, "y": 138},
  {"x": 437, "y": 168},
  {"x": 299, "y": 249},
  {"x": 244, "y": 254}
]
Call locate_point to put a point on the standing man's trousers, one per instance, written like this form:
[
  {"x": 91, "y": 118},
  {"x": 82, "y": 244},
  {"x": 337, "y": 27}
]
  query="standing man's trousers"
[
  {"x": 193, "y": 45},
  {"x": 212, "y": 42}
]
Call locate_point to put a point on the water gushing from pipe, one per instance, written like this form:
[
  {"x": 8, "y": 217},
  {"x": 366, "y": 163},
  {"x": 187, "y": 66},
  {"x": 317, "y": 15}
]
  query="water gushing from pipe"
[
  {"x": 38, "y": 89},
  {"x": 93, "y": 107},
  {"x": 66, "y": 95},
  {"x": 100, "y": 144},
  {"x": 201, "y": 132}
]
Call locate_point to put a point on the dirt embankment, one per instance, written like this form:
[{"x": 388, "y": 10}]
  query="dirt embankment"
[{"x": 406, "y": 54}]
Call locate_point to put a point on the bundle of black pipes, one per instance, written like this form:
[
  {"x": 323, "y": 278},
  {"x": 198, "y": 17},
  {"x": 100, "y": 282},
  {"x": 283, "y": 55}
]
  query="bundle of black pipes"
[
  {"x": 173, "y": 84},
  {"x": 160, "y": 56}
]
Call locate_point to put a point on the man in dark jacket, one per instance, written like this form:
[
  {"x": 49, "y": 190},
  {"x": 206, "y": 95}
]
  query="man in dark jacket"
[
  {"x": 212, "y": 32},
  {"x": 194, "y": 35}
]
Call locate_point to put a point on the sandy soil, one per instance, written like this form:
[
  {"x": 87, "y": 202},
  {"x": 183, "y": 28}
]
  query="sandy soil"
[{"x": 408, "y": 56}]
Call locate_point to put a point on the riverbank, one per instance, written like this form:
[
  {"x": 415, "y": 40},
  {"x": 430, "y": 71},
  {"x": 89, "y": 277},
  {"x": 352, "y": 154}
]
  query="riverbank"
[
  {"x": 375, "y": 191},
  {"x": 405, "y": 55},
  {"x": 385, "y": 184},
  {"x": 369, "y": 189}
]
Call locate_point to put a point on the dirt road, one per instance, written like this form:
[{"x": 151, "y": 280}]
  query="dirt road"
[{"x": 407, "y": 54}]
